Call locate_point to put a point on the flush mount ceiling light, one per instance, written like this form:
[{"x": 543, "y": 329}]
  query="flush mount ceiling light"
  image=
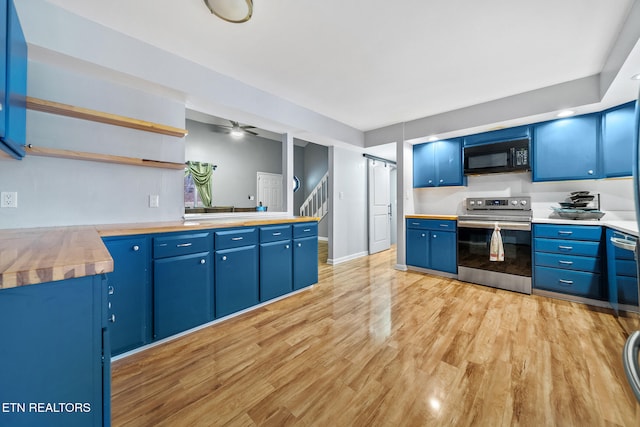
[
  {"x": 235, "y": 11},
  {"x": 566, "y": 113}
]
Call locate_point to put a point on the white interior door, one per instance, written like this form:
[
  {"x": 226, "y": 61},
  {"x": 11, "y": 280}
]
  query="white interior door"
[
  {"x": 270, "y": 191},
  {"x": 379, "y": 207}
]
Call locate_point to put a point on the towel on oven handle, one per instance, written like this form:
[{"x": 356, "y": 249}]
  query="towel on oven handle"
[{"x": 496, "y": 249}]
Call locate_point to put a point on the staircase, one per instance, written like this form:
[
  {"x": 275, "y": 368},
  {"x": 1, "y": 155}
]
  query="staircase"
[{"x": 317, "y": 204}]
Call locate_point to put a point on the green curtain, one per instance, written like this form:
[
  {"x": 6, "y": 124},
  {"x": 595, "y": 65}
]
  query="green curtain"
[{"x": 201, "y": 174}]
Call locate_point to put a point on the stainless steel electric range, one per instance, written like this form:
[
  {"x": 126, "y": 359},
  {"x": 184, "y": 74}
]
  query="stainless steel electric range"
[{"x": 475, "y": 229}]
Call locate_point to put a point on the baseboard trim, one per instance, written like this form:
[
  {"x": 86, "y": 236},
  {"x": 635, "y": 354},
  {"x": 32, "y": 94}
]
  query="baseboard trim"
[
  {"x": 433, "y": 272},
  {"x": 347, "y": 258},
  {"x": 571, "y": 298},
  {"x": 323, "y": 239},
  {"x": 401, "y": 267}
]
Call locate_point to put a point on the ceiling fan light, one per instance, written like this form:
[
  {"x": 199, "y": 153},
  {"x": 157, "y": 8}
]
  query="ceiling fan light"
[
  {"x": 237, "y": 133},
  {"x": 235, "y": 11}
]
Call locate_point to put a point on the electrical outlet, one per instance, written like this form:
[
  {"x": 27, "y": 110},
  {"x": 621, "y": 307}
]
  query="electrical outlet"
[
  {"x": 9, "y": 199},
  {"x": 154, "y": 201}
]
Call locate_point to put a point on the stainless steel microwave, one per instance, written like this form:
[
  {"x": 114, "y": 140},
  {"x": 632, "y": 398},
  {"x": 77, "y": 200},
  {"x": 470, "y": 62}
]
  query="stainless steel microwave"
[{"x": 499, "y": 157}]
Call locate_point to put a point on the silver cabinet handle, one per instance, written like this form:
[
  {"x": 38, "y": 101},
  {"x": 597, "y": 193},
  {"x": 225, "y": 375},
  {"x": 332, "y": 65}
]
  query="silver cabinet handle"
[
  {"x": 109, "y": 305},
  {"x": 435, "y": 235},
  {"x": 430, "y": 181},
  {"x": 202, "y": 261},
  {"x": 441, "y": 181},
  {"x": 590, "y": 171},
  {"x": 237, "y": 238},
  {"x": 286, "y": 246},
  {"x": 224, "y": 257},
  {"x": 277, "y": 234},
  {"x": 444, "y": 225},
  {"x": 183, "y": 245},
  {"x": 565, "y": 262},
  {"x": 110, "y": 290},
  {"x": 565, "y": 248},
  {"x": 299, "y": 245},
  {"x": 136, "y": 248},
  {"x": 565, "y": 233},
  {"x": 415, "y": 223},
  {"x": 423, "y": 235},
  {"x": 565, "y": 282},
  {"x": 627, "y": 244},
  {"x": 112, "y": 318},
  {"x": 306, "y": 230}
]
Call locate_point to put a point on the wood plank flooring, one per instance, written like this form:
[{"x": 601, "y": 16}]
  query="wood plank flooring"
[{"x": 373, "y": 346}]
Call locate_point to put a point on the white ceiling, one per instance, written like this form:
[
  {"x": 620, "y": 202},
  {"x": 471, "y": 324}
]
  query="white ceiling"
[{"x": 373, "y": 63}]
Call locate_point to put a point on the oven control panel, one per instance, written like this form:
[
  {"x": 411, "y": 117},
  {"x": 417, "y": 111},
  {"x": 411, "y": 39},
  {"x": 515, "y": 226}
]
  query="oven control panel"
[{"x": 522, "y": 203}]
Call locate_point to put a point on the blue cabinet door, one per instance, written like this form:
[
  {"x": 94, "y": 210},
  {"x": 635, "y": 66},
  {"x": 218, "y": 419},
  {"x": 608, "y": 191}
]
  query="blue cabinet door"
[
  {"x": 449, "y": 162},
  {"x": 51, "y": 353},
  {"x": 129, "y": 293},
  {"x": 16, "y": 83},
  {"x": 424, "y": 165},
  {"x": 276, "y": 269},
  {"x": 236, "y": 272},
  {"x": 520, "y": 132},
  {"x": 183, "y": 293},
  {"x": 3, "y": 66},
  {"x": 443, "y": 249},
  {"x": 566, "y": 149},
  {"x": 418, "y": 248},
  {"x": 617, "y": 140},
  {"x": 611, "y": 271},
  {"x": 305, "y": 262}
]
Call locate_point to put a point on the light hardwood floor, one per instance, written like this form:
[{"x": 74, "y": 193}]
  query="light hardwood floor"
[{"x": 373, "y": 346}]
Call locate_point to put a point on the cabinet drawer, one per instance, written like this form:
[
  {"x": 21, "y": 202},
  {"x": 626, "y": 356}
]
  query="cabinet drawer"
[
  {"x": 625, "y": 267},
  {"x": 306, "y": 229},
  {"x": 236, "y": 237},
  {"x": 275, "y": 233},
  {"x": 582, "y": 232},
  {"x": 431, "y": 224},
  {"x": 568, "y": 262},
  {"x": 577, "y": 283},
  {"x": 569, "y": 247},
  {"x": 181, "y": 244}
]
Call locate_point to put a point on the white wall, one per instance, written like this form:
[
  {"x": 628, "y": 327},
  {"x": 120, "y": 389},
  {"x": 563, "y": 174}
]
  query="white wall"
[
  {"x": 73, "y": 192},
  {"x": 616, "y": 194},
  {"x": 348, "y": 226}
]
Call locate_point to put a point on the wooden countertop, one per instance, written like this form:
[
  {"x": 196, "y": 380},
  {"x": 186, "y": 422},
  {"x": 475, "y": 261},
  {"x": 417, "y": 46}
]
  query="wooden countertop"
[
  {"x": 30, "y": 256},
  {"x": 38, "y": 255},
  {"x": 425, "y": 216}
]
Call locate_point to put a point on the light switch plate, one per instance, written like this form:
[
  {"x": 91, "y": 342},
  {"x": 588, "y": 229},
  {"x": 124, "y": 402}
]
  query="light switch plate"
[
  {"x": 9, "y": 199},
  {"x": 154, "y": 200}
]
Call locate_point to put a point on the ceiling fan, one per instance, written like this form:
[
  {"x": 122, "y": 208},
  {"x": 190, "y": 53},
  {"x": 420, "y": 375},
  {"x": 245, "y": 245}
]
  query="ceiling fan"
[{"x": 236, "y": 129}]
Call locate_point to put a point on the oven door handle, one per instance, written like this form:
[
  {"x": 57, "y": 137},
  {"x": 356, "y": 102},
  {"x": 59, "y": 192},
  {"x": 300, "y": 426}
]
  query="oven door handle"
[{"x": 490, "y": 225}]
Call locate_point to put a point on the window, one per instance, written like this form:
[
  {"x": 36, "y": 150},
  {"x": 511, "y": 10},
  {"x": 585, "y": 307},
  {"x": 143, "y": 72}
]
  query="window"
[{"x": 191, "y": 196}]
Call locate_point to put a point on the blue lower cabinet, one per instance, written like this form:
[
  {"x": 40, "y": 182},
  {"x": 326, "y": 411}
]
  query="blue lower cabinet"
[
  {"x": 130, "y": 293},
  {"x": 276, "y": 269},
  {"x": 236, "y": 272},
  {"x": 621, "y": 273},
  {"x": 627, "y": 290},
  {"x": 52, "y": 369},
  {"x": 418, "y": 248},
  {"x": 432, "y": 244},
  {"x": 183, "y": 293},
  {"x": 305, "y": 262}
]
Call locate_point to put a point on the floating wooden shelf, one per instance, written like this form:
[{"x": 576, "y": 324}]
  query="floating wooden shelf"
[
  {"x": 104, "y": 158},
  {"x": 99, "y": 116}
]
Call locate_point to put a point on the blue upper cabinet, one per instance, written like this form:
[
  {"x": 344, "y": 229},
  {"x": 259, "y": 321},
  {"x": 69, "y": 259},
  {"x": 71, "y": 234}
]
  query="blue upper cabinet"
[
  {"x": 566, "y": 149},
  {"x": 438, "y": 164},
  {"x": 3, "y": 66},
  {"x": 520, "y": 132},
  {"x": 424, "y": 165},
  {"x": 15, "y": 87},
  {"x": 617, "y": 140}
]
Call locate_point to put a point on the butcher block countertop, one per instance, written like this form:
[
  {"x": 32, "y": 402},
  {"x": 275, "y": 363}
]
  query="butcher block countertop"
[
  {"x": 418, "y": 216},
  {"x": 29, "y": 256}
]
